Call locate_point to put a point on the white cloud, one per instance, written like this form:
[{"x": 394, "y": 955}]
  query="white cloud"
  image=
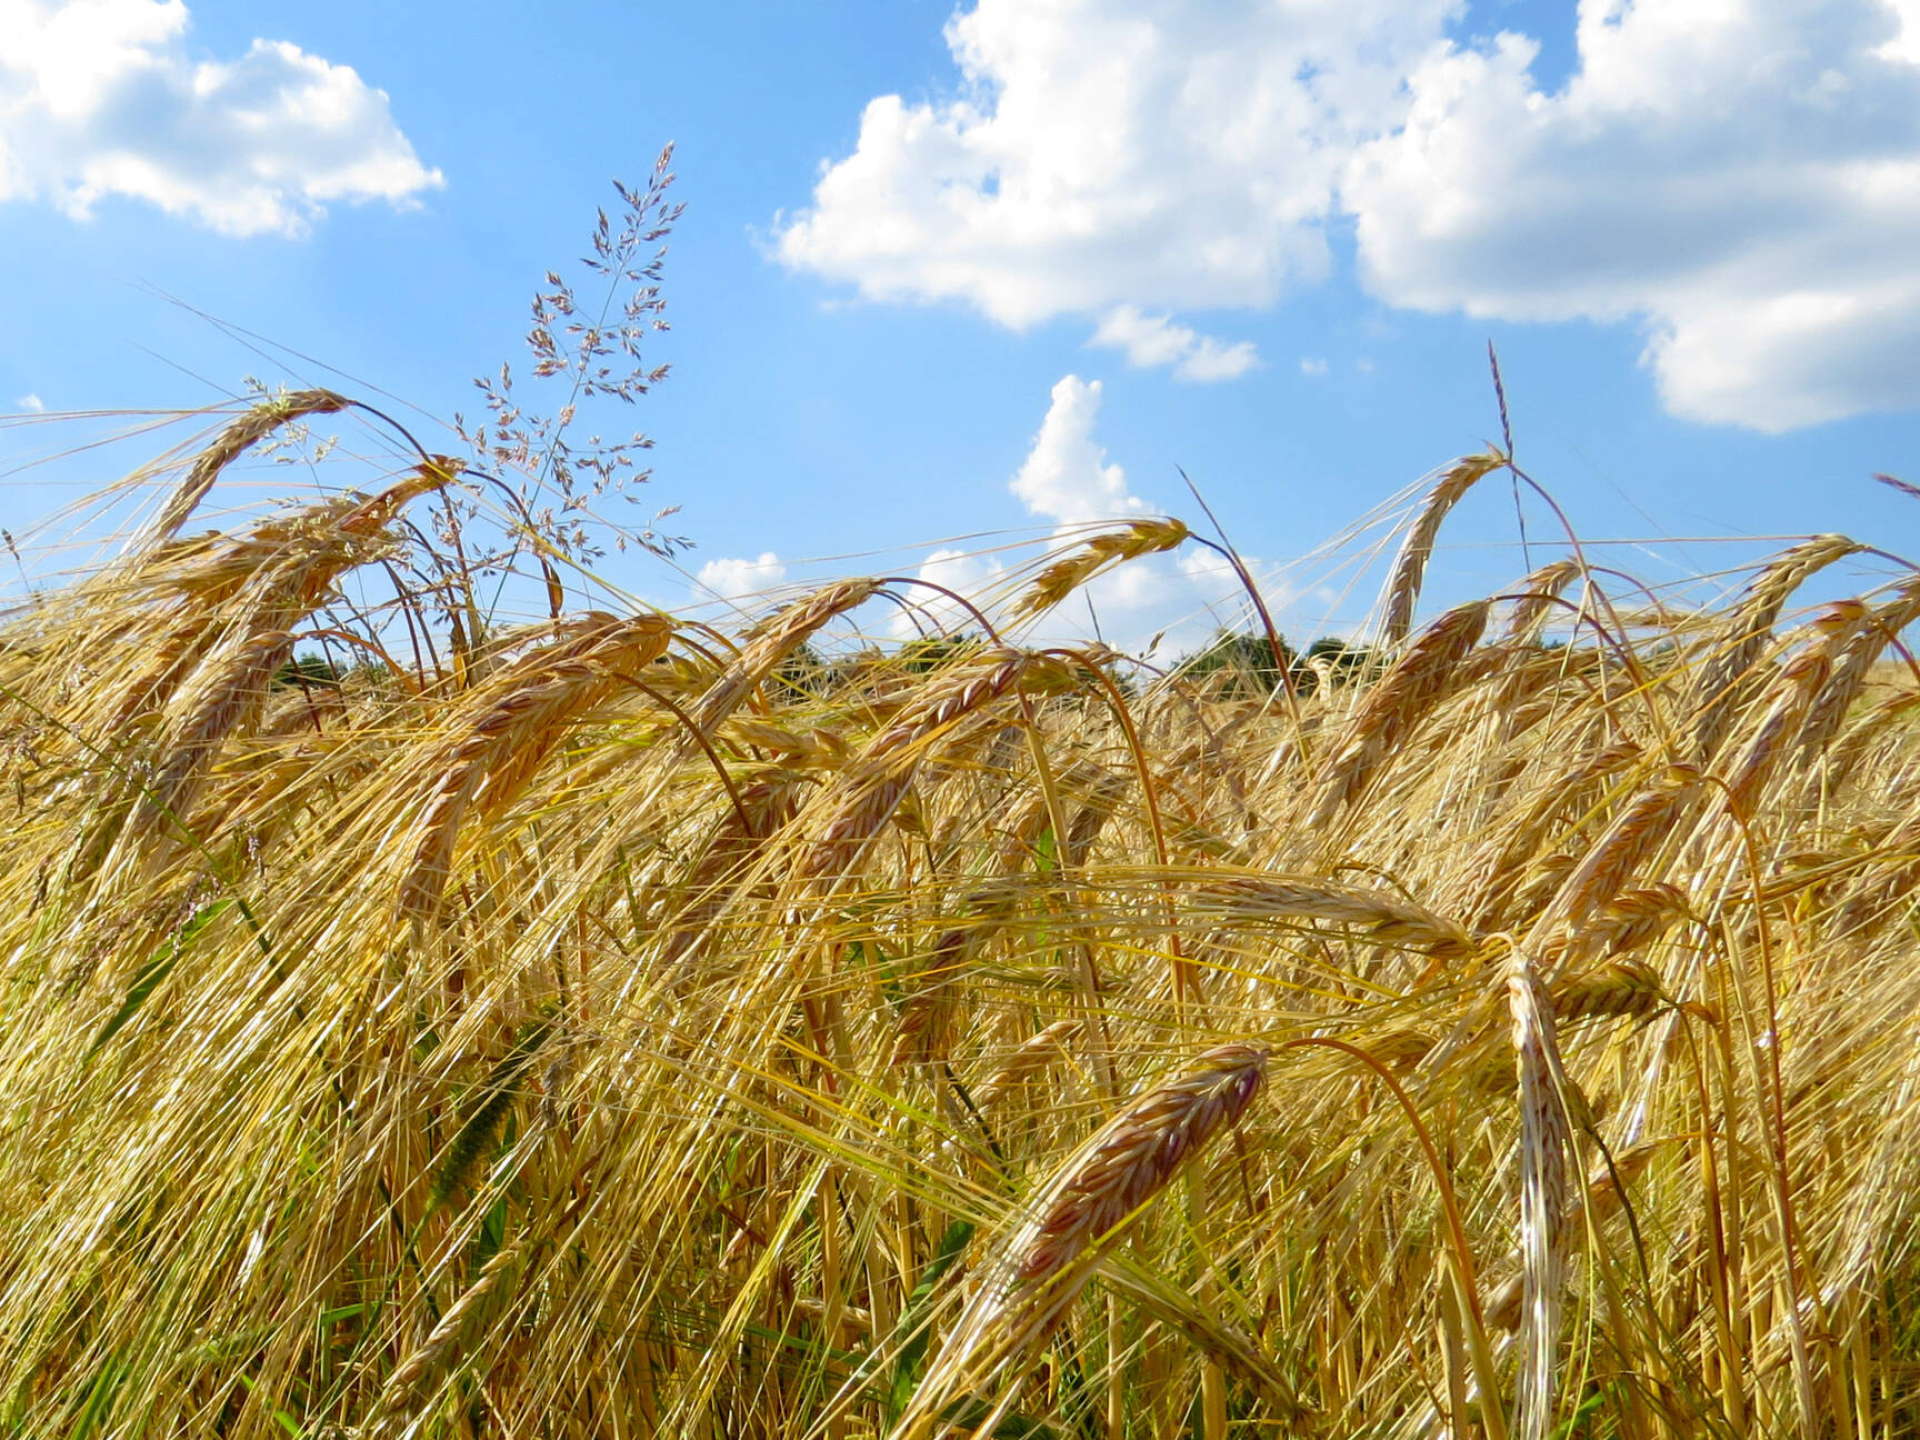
[
  {"x": 1066, "y": 476},
  {"x": 736, "y": 579},
  {"x": 1068, "y": 479},
  {"x": 1740, "y": 176},
  {"x": 101, "y": 98},
  {"x": 1905, "y": 45},
  {"x": 33, "y": 403},
  {"x": 965, "y": 574},
  {"x": 1175, "y": 154},
  {"x": 1312, "y": 366},
  {"x": 1155, "y": 340}
]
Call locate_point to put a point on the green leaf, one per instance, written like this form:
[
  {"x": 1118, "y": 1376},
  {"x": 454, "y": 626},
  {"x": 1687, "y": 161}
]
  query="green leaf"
[
  {"x": 285, "y": 1421},
  {"x": 906, "y": 1369},
  {"x": 1046, "y": 852},
  {"x": 154, "y": 971}
]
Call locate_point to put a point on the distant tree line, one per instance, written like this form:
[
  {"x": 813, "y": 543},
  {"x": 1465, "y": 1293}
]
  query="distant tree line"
[
  {"x": 1233, "y": 663},
  {"x": 1242, "y": 662}
]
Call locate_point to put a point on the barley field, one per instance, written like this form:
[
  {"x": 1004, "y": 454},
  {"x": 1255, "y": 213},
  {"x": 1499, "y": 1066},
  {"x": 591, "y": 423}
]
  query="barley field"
[{"x": 608, "y": 1025}]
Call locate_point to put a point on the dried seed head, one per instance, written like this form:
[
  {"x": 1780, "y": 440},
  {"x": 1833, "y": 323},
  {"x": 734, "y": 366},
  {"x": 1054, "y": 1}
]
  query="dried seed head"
[
  {"x": 1041, "y": 1267},
  {"x": 1390, "y": 710},
  {"x": 1063, "y": 577},
  {"x": 868, "y": 792},
  {"x": 233, "y": 442},
  {"x": 1124, "y": 1166},
  {"x": 1034, "y": 1054},
  {"x": 1722, "y": 680},
  {"x": 518, "y": 721},
  {"x": 1387, "y": 920},
  {"x": 1403, "y": 589},
  {"x": 1628, "y": 843},
  {"x": 921, "y": 1037},
  {"x": 773, "y": 641},
  {"x": 1620, "y": 987},
  {"x": 1537, "y": 594}
]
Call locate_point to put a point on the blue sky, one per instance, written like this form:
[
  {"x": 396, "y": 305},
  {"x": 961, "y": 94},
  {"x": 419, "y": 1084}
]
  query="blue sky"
[{"x": 1266, "y": 242}]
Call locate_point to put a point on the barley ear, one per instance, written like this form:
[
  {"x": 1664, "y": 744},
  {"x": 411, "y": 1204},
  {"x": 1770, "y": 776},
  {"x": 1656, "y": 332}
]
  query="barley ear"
[
  {"x": 1410, "y": 567},
  {"x": 1037, "y": 1273},
  {"x": 233, "y": 442}
]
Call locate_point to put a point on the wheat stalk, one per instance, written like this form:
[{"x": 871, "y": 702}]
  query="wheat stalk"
[{"x": 1545, "y": 1143}]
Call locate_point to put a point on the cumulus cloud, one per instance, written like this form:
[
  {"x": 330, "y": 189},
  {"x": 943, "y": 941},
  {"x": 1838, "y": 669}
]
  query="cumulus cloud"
[
  {"x": 1740, "y": 176},
  {"x": 1737, "y": 178},
  {"x": 1904, "y": 45},
  {"x": 735, "y": 579},
  {"x": 1068, "y": 479},
  {"x": 101, "y": 98},
  {"x": 1066, "y": 476},
  {"x": 960, "y": 571},
  {"x": 1312, "y": 367},
  {"x": 1155, "y": 340},
  {"x": 1174, "y": 154},
  {"x": 33, "y": 403}
]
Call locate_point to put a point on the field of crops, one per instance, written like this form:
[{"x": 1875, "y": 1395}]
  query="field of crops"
[{"x": 612, "y": 1026}]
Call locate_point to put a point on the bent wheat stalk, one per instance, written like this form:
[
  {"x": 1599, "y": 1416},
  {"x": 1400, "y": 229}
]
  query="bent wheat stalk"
[
  {"x": 1410, "y": 568},
  {"x": 239, "y": 437},
  {"x": 1037, "y": 1273}
]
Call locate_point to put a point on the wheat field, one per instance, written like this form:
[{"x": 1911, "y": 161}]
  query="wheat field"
[{"x": 613, "y": 1025}]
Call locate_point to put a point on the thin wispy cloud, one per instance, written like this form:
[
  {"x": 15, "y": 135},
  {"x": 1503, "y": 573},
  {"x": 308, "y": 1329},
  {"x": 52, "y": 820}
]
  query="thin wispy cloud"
[
  {"x": 103, "y": 99},
  {"x": 1153, "y": 341}
]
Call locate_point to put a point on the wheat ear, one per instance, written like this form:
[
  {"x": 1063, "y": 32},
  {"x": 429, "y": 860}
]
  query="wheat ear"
[
  {"x": 773, "y": 641},
  {"x": 233, "y": 442},
  {"x": 1410, "y": 566},
  {"x": 1720, "y": 683},
  {"x": 1384, "y": 919},
  {"x": 871, "y": 788},
  {"x": 1640, "y": 830},
  {"x": 1088, "y": 1204},
  {"x": 1388, "y": 711},
  {"x": 522, "y": 718},
  {"x": 1034, "y": 1054},
  {"x": 1064, "y": 576}
]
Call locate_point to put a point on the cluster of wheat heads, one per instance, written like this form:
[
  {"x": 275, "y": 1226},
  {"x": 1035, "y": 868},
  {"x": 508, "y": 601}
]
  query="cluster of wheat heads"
[{"x": 612, "y": 1034}]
